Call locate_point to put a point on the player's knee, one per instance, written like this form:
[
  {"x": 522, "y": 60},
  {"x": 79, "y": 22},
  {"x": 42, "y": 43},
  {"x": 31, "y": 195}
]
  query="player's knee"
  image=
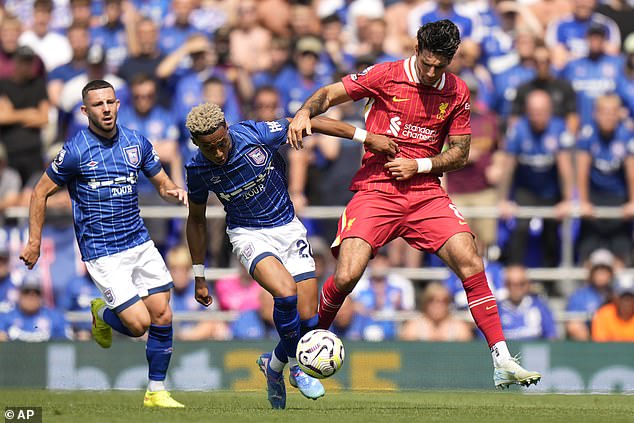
[
  {"x": 472, "y": 264},
  {"x": 346, "y": 279},
  {"x": 139, "y": 327},
  {"x": 162, "y": 316}
]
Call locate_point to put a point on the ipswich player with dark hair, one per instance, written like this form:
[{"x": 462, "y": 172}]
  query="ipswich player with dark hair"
[{"x": 101, "y": 165}]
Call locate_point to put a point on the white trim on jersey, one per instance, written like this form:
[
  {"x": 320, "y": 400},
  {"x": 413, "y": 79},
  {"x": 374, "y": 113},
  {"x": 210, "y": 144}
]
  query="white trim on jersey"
[
  {"x": 440, "y": 84},
  {"x": 409, "y": 65}
]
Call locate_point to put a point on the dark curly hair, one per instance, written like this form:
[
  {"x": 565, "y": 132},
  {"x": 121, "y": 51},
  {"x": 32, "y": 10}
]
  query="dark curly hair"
[{"x": 440, "y": 37}]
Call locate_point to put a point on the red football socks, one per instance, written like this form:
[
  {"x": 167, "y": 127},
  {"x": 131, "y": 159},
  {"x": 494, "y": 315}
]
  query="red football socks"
[
  {"x": 329, "y": 303},
  {"x": 483, "y": 307}
]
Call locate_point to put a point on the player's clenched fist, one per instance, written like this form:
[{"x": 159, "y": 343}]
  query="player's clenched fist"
[
  {"x": 202, "y": 292},
  {"x": 402, "y": 169}
]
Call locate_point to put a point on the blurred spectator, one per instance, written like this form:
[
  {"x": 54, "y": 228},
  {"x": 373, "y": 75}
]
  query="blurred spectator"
[
  {"x": 305, "y": 77},
  {"x": 435, "y": 322},
  {"x": 398, "y": 40},
  {"x": 280, "y": 67},
  {"x": 524, "y": 315},
  {"x": 52, "y": 47},
  {"x": 156, "y": 10},
  {"x": 614, "y": 322},
  {"x": 81, "y": 12},
  {"x": 177, "y": 27},
  {"x": 265, "y": 316},
  {"x": 334, "y": 57},
  {"x": 72, "y": 120},
  {"x": 182, "y": 300},
  {"x": 605, "y": 177},
  {"x": 111, "y": 33},
  {"x": 567, "y": 36},
  {"x": 475, "y": 184},
  {"x": 593, "y": 75},
  {"x": 249, "y": 42},
  {"x": 79, "y": 39},
  {"x": 241, "y": 293},
  {"x": 372, "y": 41},
  {"x": 506, "y": 83},
  {"x": 9, "y": 287},
  {"x": 303, "y": 20},
  {"x": 538, "y": 166},
  {"x": 344, "y": 324},
  {"x": 625, "y": 81},
  {"x": 159, "y": 126},
  {"x": 10, "y": 184},
  {"x": 378, "y": 292},
  {"x": 23, "y": 112},
  {"x": 30, "y": 321},
  {"x": 621, "y": 11},
  {"x": 561, "y": 92},
  {"x": 79, "y": 292},
  {"x": 266, "y": 104},
  {"x": 593, "y": 295},
  {"x": 275, "y": 15},
  {"x": 10, "y": 30}
]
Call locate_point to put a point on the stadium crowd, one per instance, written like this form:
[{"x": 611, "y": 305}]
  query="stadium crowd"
[{"x": 552, "y": 108}]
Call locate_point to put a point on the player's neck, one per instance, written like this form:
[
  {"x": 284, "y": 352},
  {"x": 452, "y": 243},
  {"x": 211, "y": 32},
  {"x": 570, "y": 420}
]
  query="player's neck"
[{"x": 108, "y": 135}]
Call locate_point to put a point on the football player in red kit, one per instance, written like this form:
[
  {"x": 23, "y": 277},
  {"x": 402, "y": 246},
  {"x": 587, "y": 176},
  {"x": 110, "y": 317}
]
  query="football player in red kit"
[{"x": 420, "y": 104}]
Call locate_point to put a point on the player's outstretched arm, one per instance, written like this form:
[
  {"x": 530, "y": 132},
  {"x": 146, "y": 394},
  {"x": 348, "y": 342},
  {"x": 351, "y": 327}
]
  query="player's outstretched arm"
[
  {"x": 168, "y": 190},
  {"x": 378, "y": 144},
  {"x": 453, "y": 158},
  {"x": 37, "y": 213},
  {"x": 320, "y": 101},
  {"x": 196, "y": 232}
]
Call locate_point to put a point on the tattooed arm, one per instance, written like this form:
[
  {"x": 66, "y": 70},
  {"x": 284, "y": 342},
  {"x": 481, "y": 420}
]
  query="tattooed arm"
[
  {"x": 320, "y": 101},
  {"x": 453, "y": 158}
]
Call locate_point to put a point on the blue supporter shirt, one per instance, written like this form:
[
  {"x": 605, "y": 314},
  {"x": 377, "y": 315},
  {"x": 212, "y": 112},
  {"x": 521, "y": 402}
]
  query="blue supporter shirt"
[
  {"x": 586, "y": 299},
  {"x": 464, "y": 23},
  {"x": 79, "y": 292},
  {"x": 66, "y": 72},
  {"x": 529, "y": 320},
  {"x": 173, "y": 36},
  {"x": 572, "y": 33},
  {"x": 607, "y": 172},
  {"x": 45, "y": 325},
  {"x": 591, "y": 78},
  {"x": 252, "y": 183},
  {"x": 101, "y": 175},
  {"x": 294, "y": 89},
  {"x": 9, "y": 293},
  {"x": 625, "y": 90},
  {"x": 114, "y": 41},
  {"x": 536, "y": 153},
  {"x": 506, "y": 85}
]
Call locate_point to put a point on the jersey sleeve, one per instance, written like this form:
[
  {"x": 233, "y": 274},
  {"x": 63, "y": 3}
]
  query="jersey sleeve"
[
  {"x": 366, "y": 83},
  {"x": 64, "y": 167},
  {"x": 150, "y": 161},
  {"x": 196, "y": 189},
  {"x": 461, "y": 116},
  {"x": 272, "y": 133}
]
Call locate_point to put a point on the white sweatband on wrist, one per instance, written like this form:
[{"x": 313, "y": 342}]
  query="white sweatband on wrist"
[
  {"x": 424, "y": 165},
  {"x": 199, "y": 270},
  {"x": 359, "y": 135}
]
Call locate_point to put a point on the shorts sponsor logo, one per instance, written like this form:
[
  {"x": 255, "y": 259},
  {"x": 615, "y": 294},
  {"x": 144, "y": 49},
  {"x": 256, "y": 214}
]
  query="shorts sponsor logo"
[
  {"x": 132, "y": 155},
  {"x": 257, "y": 156},
  {"x": 108, "y": 296}
]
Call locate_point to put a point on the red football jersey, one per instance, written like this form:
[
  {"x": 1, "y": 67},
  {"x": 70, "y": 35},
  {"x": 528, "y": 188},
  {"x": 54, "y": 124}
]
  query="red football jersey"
[{"x": 418, "y": 116}]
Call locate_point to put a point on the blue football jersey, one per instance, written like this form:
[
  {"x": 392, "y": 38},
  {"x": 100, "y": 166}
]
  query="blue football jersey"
[
  {"x": 536, "y": 153},
  {"x": 252, "y": 183},
  {"x": 607, "y": 172},
  {"x": 101, "y": 175},
  {"x": 529, "y": 320}
]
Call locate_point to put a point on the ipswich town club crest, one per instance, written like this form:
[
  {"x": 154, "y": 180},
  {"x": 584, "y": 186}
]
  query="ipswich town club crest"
[
  {"x": 109, "y": 296},
  {"x": 257, "y": 156},
  {"x": 132, "y": 155}
]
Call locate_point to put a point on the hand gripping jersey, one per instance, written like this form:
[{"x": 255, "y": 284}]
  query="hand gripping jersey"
[{"x": 419, "y": 116}]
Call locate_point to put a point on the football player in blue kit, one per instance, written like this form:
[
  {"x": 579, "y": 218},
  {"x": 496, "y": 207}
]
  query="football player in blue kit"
[
  {"x": 100, "y": 165},
  {"x": 242, "y": 166}
]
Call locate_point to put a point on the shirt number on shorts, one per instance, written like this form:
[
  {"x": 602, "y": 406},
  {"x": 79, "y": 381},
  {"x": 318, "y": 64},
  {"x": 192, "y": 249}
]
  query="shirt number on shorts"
[
  {"x": 456, "y": 212},
  {"x": 304, "y": 248}
]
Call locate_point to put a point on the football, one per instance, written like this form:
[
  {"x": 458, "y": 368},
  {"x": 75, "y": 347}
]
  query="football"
[{"x": 320, "y": 353}]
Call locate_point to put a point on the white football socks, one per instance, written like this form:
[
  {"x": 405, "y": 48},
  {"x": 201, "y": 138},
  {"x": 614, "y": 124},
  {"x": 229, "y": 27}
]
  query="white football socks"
[
  {"x": 500, "y": 353},
  {"x": 276, "y": 364},
  {"x": 155, "y": 386}
]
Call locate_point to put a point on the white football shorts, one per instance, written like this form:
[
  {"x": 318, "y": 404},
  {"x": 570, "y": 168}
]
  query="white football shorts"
[
  {"x": 125, "y": 277},
  {"x": 287, "y": 243}
]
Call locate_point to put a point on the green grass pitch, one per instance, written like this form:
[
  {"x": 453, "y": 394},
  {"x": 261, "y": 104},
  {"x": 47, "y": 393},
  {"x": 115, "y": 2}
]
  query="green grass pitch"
[{"x": 341, "y": 407}]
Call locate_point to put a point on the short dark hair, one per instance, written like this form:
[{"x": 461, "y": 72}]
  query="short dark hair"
[
  {"x": 96, "y": 84},
  {"x": 440, "y": 37},
  {"x": 213, "y": 80},
  {"x": 46, "y": 5},
  {"x": 141, "y": 78}
]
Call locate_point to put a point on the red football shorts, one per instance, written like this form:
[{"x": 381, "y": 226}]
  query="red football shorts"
[{"x": 426, "y": 220}]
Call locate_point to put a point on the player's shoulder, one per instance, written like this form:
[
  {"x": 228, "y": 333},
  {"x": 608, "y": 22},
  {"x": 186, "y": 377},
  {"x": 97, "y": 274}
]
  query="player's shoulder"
[{"x": 455, "y": 84}]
